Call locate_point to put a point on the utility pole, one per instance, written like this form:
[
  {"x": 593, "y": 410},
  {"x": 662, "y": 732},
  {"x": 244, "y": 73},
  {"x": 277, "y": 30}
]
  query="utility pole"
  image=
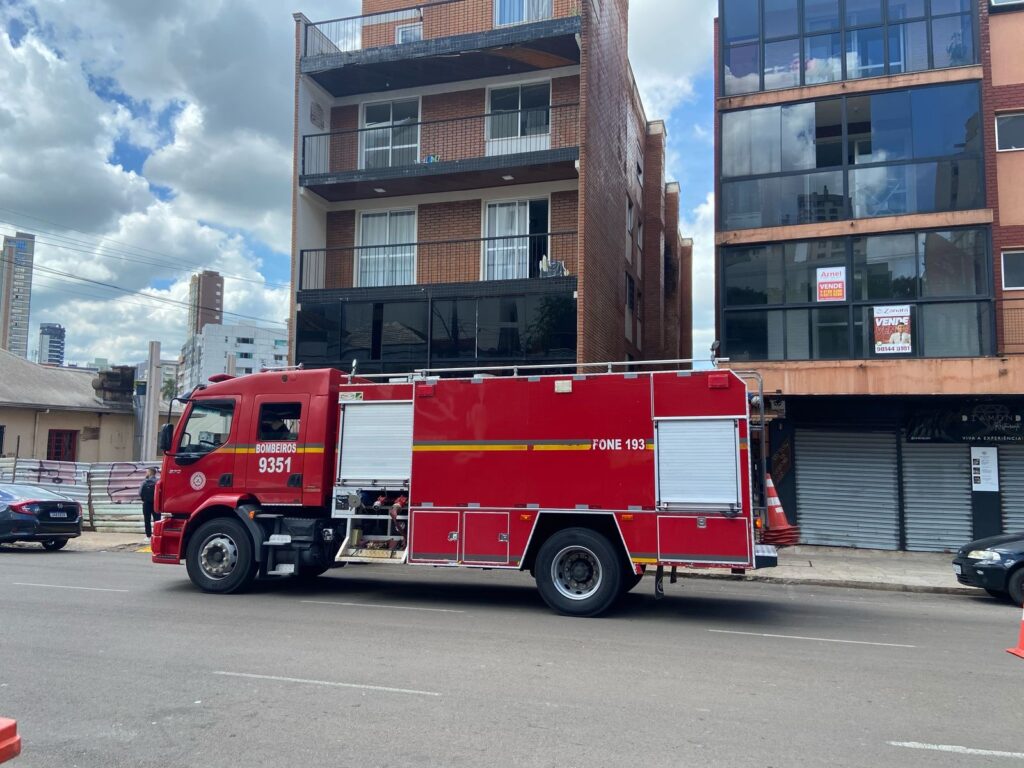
[{"x": 151, "y": 409}]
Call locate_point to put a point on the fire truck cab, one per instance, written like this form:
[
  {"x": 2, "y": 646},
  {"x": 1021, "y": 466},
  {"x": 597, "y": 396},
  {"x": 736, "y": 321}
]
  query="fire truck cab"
[{"x": 584, "y": 479}]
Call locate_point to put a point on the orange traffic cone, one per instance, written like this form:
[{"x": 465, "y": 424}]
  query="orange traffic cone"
[
  {"x": 1019, "y": 650},
  {"x": 780, "y": 532}
]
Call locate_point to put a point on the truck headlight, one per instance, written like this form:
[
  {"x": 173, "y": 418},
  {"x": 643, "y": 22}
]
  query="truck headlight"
[{"x": 984, "y": 554}]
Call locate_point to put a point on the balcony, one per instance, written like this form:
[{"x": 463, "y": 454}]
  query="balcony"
[
  {"x": 529, "y": 145},
  {"x": 514, "y": 257},
  {"x": 440, "y": 42}
]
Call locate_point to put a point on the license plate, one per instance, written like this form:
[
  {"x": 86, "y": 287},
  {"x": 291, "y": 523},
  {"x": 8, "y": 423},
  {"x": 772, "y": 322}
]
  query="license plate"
[
  {"x": 59, "y": 514},
  {"x": 957, "y": 569}
]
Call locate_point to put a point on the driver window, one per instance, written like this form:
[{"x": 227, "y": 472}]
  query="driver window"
[
  {"x": 279, "y": 421},
  {"x": 208, "y": 427}
]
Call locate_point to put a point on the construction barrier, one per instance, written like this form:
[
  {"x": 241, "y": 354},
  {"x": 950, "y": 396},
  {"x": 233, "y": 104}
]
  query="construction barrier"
[
  {"x": 10, "y": 741},
  {"x": 1019, "y": 650},
  {"x": 107, "y": 491}
]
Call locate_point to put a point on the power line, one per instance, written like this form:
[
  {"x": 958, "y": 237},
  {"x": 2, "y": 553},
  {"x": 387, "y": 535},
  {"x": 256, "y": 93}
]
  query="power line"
[{"x": 159, "y": 299}]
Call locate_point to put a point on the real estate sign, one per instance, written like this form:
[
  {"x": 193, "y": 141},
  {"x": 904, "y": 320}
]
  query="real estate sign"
[
  {"x": 831, "y": 283},
  {"x": 892, "y": 330}
]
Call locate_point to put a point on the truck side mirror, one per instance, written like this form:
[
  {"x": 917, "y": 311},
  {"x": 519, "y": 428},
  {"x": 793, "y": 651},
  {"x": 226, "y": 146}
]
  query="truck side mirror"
[{"x": 166, "y": 435}]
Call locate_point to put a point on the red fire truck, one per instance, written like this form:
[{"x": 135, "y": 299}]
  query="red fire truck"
[{"x": 586, "y": 480}]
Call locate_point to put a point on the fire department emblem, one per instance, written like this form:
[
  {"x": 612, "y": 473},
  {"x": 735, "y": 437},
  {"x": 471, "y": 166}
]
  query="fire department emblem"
[{"x": 197, "y": 481}]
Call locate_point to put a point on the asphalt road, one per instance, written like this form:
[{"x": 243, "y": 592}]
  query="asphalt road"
[{"x": 108, "y": 660}]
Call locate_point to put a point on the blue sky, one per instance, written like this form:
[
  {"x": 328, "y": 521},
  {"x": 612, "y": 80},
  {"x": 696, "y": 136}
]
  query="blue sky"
[{"x": 155, "y": 153}]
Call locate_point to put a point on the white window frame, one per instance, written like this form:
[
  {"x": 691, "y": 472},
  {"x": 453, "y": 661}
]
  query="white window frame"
[
  {"x": 518, "y": 143},
  {"x": 363, "y": 128},
  {"x": 1002, "y": 264},
  {"x": 402, "y": 27},
  {"x": 359, "y": 241},
  {"x": 483, "y": 225},
  {"x": 525, "y": 20},
  {"x": 1019, "y": 114}
]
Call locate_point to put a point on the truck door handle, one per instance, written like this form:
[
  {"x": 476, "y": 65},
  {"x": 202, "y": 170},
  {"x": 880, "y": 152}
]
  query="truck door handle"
[
  {"x": 453, "y": 535},
  {"x": 503, "y": 538}
]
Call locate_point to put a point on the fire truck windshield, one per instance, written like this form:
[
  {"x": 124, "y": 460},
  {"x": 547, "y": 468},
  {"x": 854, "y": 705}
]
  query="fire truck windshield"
[{"x": 207, "y": 428}]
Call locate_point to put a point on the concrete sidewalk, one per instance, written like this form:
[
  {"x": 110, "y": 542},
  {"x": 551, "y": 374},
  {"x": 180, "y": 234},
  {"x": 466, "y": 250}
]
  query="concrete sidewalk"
[
  {"x": 820, "y": 566},
  {"x": 861, "y": 568}
]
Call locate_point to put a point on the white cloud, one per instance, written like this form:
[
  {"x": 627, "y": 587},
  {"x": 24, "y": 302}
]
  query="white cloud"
[
  {"x": 699, "y": 224},
  {"x": 670, "y": 45}
]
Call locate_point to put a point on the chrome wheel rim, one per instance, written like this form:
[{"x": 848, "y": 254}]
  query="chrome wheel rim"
[
  {"x": 218, "y": 556},
  {"x": 576, "y": 573}
]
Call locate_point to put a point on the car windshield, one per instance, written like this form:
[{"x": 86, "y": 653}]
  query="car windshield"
[
  {"x": 208, "y": 427},
  {"x": 13, "y": 492}
]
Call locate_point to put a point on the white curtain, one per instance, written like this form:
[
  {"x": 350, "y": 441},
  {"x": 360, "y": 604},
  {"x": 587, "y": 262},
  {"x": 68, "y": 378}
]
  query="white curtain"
[
  {"x": 537, "y": 10},
  {"x": 387, "y": 250},
  {"x": 507, "y": 251}
]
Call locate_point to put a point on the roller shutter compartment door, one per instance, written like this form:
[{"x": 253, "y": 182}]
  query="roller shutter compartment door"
[
  {"x": 1011, "y": 486},
  {"x": 376, "y": 443},
  {"x": 937, "y": 496},
  {"x": 846, "y": 488}
]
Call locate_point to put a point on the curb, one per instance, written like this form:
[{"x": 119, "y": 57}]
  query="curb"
[{"x": 843, "y": 583}]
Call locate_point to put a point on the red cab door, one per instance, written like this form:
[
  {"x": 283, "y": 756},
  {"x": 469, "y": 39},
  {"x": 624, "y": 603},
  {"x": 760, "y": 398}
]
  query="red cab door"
[{"x": 275, "y": 448}]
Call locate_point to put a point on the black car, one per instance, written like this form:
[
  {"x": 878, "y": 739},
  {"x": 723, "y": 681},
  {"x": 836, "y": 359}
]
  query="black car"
[
  {"x": 995, "y": 564},
  {"x": 30, "y": 513}
]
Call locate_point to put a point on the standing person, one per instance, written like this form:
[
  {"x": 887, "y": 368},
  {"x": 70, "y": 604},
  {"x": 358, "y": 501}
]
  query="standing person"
[{"x": 146, "y": 491}]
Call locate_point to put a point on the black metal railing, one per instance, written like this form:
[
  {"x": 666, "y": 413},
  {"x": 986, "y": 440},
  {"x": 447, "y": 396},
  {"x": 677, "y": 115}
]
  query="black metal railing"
[
  {"x": 404, "y": 144},
  {"x": 506, "y": 257},
  {"x": 426, "y": 21}
]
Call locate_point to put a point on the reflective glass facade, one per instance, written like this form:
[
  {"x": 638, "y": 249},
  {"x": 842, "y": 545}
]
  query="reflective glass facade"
[
  {"x": 398, "y": 334},
  {"x": 772, "y": 44},
  {"x": 849, "y": 297},
  {"x": 880, "y": 154}
]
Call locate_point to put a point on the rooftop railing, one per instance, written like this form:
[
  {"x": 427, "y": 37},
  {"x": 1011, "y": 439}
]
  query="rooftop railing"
[
  {"x": 426, "y": 21},
  {"x": 405, "y": 144},
  {"x": 509, "y": 257}
]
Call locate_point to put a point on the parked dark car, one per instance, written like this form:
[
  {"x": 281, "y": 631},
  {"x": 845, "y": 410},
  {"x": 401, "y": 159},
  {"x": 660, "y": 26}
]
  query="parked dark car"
[
  {"x": 995, "y": 564},
  {"x": 30, "y": 513}
]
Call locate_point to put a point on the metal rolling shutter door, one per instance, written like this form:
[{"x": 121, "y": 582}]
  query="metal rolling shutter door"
[
  {"x": 1011, "y": 486},
  {"x": 937, "y": 496},
  {"x": 846, "y": 488}
]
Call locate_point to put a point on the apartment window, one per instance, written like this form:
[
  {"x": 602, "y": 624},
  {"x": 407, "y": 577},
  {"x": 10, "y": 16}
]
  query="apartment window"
[
  {"x": 520, "y": 11},
  {"x": 245, "y": 355},
  {"x": 1013, "y": 271},
  {"x": 517, "y": 240},
  {"x": 519, "y": 119},
  {"x": 844, "y": 298},
  {"x": 884, "y": 154},
  {"x": 391, "y": 134},
  {"x": 408, "y": 33},
  {"x": 62, "y": 445},
  {"x": 387, "y": 249},
  {"x": 630, "y": 293},
  {"x": 770, "y": 44},
  {"x": 1010, "y": 132},
  {"x": 245, "y": 340},
  {"x": 629, "y": 217}
]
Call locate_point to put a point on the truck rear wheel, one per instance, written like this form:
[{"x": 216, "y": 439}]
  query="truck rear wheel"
[
  {"x": 578, "y": 572},
  {"x": 220, "y": 558}
]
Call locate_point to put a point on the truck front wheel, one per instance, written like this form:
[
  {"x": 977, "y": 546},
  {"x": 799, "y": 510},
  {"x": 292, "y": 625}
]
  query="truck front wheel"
[
  {"x": 220, "y": 558},
  {"x": 578, "y": 572}
]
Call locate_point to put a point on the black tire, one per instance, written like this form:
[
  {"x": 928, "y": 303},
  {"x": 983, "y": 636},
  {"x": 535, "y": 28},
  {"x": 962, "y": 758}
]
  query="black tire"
[
  {"x": 579, "y": 572},
  {"x": 1015, "y": 586},
  {"x": 52, "y": 545},
  {"x": 220, "y": 557}
]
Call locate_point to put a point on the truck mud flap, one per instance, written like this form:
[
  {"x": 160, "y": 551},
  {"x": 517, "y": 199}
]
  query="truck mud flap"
[{"x": 765, "y": 556}]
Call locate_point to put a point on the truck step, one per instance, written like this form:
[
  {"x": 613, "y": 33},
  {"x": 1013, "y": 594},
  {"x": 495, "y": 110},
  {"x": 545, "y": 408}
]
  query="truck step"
[
  {"x": 284, "y": 569},
  {"x": 278, "y": 540}
]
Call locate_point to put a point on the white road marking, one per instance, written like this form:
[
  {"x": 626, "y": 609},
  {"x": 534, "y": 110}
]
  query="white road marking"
[
  {"x": 377, "y": 605},
  {"x": 816, "y": 639},
  {"x": 955, "y": 749},
  {"x": 61, "y": 586},
  {"x": 328, "y": 683}
]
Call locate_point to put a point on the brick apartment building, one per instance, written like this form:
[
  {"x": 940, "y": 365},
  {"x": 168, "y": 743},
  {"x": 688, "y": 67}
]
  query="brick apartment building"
[
  {"x": 870, "y": 258},
  {"x": 476, "y": 184}
]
